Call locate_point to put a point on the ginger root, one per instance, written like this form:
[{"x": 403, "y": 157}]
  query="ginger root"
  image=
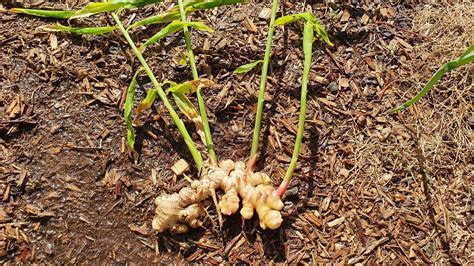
[{"x": 179, "y": 211}]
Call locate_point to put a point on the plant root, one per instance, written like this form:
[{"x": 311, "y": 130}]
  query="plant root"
[{"x": 179, "y": 211}]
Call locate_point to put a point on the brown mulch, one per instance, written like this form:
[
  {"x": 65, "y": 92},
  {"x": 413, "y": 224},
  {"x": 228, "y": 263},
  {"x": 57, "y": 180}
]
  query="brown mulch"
[{"x": 370, "y": 187}]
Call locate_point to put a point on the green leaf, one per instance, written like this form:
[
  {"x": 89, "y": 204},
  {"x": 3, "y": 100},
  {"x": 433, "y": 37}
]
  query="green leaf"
[
  {"x": 85, "y": 31},
  {"x": 157, "y": 19},
  {"x": 307, "y": 17},
  {"x": 95, "y": 8},
  {"x": 321, "y": 32},
  {"x": 247, "y": 67},
  {"x": 294, "y": 17},
  {"x": 189, "y": 86},
  {"x": 191, "y": 6},
  {"x": 173, "y": 27},
  {"x": 63, "y": 14},
  {"x": 111, "y": 5},
  {"x": 127, "y": 113}
]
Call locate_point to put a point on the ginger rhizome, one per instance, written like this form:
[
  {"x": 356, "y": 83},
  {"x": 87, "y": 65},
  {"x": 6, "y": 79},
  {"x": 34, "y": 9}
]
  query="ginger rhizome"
[{"x": 179, "y": 211}]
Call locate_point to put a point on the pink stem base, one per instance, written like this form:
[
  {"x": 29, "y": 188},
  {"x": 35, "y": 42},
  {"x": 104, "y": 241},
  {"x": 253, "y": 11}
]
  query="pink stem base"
[{"x": 281, "y": 189}]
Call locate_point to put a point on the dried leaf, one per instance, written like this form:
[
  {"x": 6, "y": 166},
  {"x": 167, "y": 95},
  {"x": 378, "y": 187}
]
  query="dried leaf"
[
  {"x": 189, "y": 86},
  {"x": 188, "y": 109},
  {"x": 146, "y": 103}
]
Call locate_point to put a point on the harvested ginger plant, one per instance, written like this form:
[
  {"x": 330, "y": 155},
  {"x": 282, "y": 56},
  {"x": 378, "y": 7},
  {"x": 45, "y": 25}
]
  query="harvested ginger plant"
[{"x": 240, "y": 184}]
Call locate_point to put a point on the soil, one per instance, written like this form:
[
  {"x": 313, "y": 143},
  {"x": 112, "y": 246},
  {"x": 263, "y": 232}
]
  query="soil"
[{"x": 370, "y": 187}]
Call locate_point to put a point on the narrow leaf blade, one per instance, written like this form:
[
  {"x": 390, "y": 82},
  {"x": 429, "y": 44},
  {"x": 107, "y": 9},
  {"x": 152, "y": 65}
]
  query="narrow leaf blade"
[
  {"x": 83, "y": 31},
  {"x": 247, "y": 67},
  {"x": 45, "y": 13},
  {"x": 208, "y": 4},
  {"x": 321, "y": 33},
  {"x": 111, "y": 5},
  {"x": 199, "y": 26},
  {"x": 95, "y": 8},
  {"x": 157, "y": 19},
  {"x": 173, "y": 27}
]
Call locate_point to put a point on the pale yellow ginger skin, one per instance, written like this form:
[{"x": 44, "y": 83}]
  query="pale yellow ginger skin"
[{"x": 179, "y": 211}]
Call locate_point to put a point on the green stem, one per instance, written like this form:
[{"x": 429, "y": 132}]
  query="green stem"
[
  {"x": 466, "y": 58},
  {"x": 263, "y": 80},
  {"x": 308, "y": 55},
  {"x": 202, "y": 106},
  {"x": 187, "y": 138}
]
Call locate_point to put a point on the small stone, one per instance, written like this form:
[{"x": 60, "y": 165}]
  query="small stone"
[
  {"x": 48, "y": 248},
  {"x": 387, "y": 35},
  {"x": 292, "y": 191},
  {"x": 333, "y": 87},
  {"x": 361, "y": 121}
]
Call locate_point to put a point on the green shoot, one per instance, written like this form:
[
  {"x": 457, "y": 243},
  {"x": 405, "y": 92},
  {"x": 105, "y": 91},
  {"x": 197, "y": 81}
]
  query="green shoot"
[
  {"x": 187, "y": 138},
  {"x": 85, "y": 31},
  {"x": 247, "y": 67},
  {"x": 62, "y": 14},
  {"x": 173, "y": 27},
  {"x": 263, "y": 80},
  {"x": 202, "y": 106},
  {"x": 310, "y": 27},
  {"x": 127, "y": 113},
  {"x": 466, "y": 58}
]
